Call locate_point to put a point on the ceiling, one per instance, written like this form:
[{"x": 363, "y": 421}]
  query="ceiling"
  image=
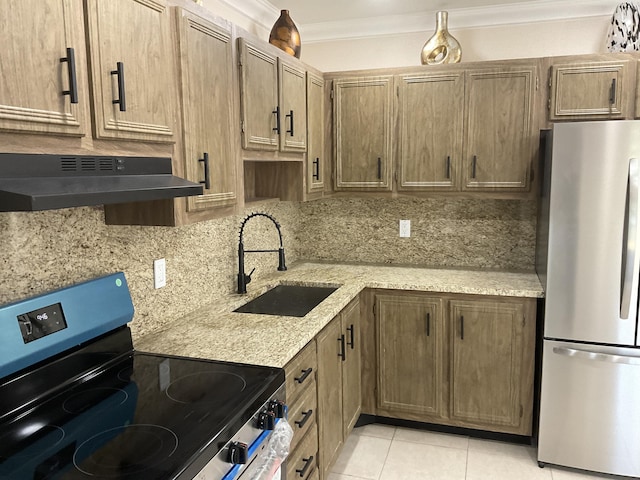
[{"x": 327, "y": 20}]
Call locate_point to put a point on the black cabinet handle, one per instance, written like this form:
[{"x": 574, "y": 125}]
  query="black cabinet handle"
[
  {"x": 305, "y": 418},
  {"x": 612, "y": 92},
  {"x": 448, "y": 166},
  {"x": 379, "y": 168},
  {"x": 473, "y": 166},
  {"x": 305, "y": 374},
  {"x": 428, "y": 324},
  {"x": 119, "y": 72},
  {"x": 307, "y": 463},
  {"x": 71, "y": 69},
  {"x": 343, "y": 353},
  {"x": 290, "y": 115},
  {"x": 206, "y": 182},
  {"x": 316, "y": 169},
  {"x": 350, "y": 330},
  {"x": 276, "y": 112},
  {"x": 461, "y": 327}
]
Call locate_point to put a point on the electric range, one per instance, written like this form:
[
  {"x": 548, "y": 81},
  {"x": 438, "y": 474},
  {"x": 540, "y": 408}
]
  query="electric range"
[{"x": 78, "y": 402}]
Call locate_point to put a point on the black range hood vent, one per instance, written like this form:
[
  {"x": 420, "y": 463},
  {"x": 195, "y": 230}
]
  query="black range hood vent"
[{"x": 30, "y": 182}]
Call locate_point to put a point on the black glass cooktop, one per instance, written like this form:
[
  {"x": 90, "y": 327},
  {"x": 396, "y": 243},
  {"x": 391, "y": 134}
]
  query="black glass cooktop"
[{"x": 127, "y": 416}]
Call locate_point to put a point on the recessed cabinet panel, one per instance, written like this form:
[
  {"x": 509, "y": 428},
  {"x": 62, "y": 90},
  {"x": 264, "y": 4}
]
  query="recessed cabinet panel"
[
  {"x": 315, "y": 134},
  {"x": 589, "y": 91},
  {"x": 410, "y": 335},
  {"x": 499, "y": 138},
  {"x": 293, "y": 104},
  {"x": 261, "y": 117},
  {"x": 486, "y": 362},
  {"x": 431, "y": 121},
  {"x": 363, "y": 108},
  {"x": 207, "y": 104},
  {"x": 132, "y": 69},
  {"x": 351, "y": 381},
  {"x": 35, "y": 36}
]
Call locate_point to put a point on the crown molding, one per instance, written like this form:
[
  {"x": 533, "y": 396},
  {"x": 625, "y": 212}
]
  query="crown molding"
[{"x": 258, "y": 11}]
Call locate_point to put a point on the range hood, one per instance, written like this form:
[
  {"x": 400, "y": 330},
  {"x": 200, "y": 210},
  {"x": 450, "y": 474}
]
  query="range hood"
[{"x": 30, "y": 182}]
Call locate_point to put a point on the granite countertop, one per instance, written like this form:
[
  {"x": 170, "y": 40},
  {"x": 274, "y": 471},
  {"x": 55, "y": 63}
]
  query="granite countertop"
[{"x": 216, "y": 332}]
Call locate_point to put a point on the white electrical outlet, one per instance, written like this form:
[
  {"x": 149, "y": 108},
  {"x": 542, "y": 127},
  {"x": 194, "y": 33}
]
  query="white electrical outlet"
[
  {"x": 159, "y": 273},
  {"x": 405, "y": 228}
]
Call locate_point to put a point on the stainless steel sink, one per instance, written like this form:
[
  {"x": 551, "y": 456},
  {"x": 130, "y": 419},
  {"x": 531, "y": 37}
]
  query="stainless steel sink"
[{"x": 287, "y": 300}]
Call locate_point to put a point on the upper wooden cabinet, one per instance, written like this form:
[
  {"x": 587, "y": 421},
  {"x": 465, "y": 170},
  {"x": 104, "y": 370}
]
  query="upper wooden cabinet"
[
  {"x": 273, "y": 100},
  {"x": 206, "y": 69},
  {"x": 132, "y": 69},
  {"x": 591, "y": 90},
  {"x": 501, "y": 134},
  {"x": 43, "y": 56},
  {"x": 315, "y": 133},
  {"x": 431, "y": 117},
  {"x": 363, "y": 139}
]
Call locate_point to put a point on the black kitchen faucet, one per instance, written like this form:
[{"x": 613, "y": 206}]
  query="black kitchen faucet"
[{"x": 244, "y": 278}]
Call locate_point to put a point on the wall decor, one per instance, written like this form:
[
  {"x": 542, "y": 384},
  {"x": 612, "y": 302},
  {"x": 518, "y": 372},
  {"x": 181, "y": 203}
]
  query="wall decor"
[
  {"x": 442, "y": 47},
  {"x": 285, "y": 35},
  {"x": 624, "y": 29}
]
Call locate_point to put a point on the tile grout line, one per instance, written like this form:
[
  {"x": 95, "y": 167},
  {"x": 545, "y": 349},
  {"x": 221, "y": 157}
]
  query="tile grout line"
[
  {"x": 387, "y": 455},
  {"x": 466, "y": 463}
]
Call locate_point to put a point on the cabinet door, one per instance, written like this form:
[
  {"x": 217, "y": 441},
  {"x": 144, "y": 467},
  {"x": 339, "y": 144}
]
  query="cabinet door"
[
  {"x": 410, "y": 338},
  {"x": 293, "y": 107},
  {"x": 500, "y": 138},
  {"x": 490, "y": 362},
  {"x": 351, "y": 381},
  {"x": 330, "y": 344},
  {"x": 589, "y": 91},
  {"x": 431, "y": 121},
  {"x": 207, "y": 104},
  {"x": 261, "y": 116},
  {"x": 35, "y": 35},
  {"x": 315, "y": 133},
  {"x": 363, "y": 109}
]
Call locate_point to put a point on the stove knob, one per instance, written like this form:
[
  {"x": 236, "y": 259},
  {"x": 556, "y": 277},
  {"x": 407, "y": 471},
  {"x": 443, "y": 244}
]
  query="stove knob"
[
  {"x": 266, "y": 420},
  {"x": 277, "y": 407},
  {"x": 238, "y": 453}
]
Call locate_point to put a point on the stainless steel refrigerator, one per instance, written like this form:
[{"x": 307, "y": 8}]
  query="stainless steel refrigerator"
[{"x": 589, "y": 260}]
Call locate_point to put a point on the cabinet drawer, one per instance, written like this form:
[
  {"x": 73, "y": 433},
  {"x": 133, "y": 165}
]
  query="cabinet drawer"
[
  {"x": 300, "y": 372},
  {"x": 302, "y": 414},
  {"x": 304, "y": 459}
]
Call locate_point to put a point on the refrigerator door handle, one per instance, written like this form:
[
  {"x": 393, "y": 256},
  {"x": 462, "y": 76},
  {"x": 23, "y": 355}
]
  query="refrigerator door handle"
[
  {"x": 630, "y": 266},
  {"x": 602, "y": 357}
]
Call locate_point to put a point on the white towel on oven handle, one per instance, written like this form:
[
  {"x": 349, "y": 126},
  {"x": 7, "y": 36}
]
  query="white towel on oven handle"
[{"x": 275, "y": 453}]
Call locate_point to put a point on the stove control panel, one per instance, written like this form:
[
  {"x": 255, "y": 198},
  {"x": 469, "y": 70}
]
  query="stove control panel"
[{"x": 41, "y": 322}]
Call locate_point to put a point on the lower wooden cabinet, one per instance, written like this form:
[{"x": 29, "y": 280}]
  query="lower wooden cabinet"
[
  {"x": 464, "y": 361},
  {"x": 301, "y": 399},
  {"x": 339, "y": 386}
]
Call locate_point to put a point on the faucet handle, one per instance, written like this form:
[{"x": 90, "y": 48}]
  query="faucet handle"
[{"x": 247, "y": 276}]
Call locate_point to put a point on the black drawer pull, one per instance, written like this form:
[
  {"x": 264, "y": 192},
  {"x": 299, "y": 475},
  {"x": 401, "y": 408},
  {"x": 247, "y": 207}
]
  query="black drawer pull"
[
  {"x": 461, "y": 327},
  {"x": 305, "y": 418},
  {"x": 612, "y": 92},
  {"x": 350, "y": 330},
  {"x": 119, "y": 72},
  {"x": 206, "y": 182},
  {"x": 305, "y": 374},
  {"x": 428, "y": 324},
  {"x": 473, "y": 167},
  {"x": 71, "y": 69},
  {"x": 448, "y": 167},
  {"x": 290, "y": 115},
  {"x": 379, "y": 168},
  {"x": 343, "y": 353},
  {"x": 316, "y": 169},
  {"x": 276, "y": 112},
  {"x": 307, "y": 463}
]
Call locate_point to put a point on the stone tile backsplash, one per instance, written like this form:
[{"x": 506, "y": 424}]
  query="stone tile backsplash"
[{"x": 46, "y": 250}]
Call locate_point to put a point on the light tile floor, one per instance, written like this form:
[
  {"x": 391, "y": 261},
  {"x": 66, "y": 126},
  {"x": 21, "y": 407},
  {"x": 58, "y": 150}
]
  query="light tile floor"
[{"x": 382, "y": 452}]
